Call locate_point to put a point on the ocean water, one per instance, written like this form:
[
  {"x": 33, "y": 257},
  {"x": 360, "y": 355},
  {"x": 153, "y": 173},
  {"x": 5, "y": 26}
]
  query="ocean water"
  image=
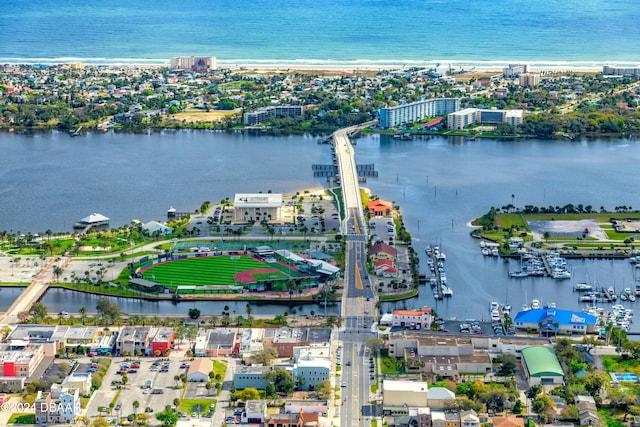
[{"x": 323, "y": 32}]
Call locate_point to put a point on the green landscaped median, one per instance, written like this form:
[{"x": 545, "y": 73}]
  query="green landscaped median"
[{"x": 398, "y": 297}]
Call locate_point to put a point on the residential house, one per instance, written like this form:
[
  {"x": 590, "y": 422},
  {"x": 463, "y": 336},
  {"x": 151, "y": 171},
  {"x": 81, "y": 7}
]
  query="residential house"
[{"x": 588, "y": 414}]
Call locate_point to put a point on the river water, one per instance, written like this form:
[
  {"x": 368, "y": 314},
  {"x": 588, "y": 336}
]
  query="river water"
[{"x": 51, "y": 180}]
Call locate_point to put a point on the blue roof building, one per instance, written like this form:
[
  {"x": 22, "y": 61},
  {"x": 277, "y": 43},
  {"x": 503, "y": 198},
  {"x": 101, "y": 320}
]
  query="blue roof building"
[{"x": 554, "y": 321}]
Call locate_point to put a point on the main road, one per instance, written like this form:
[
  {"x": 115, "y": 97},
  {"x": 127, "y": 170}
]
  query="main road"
[{"x": 358, "y": 301}]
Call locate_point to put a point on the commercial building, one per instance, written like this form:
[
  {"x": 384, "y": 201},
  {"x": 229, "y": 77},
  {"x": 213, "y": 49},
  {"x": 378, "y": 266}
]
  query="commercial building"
[
  {"x": 199, "y": 370},
  {"x": 251, "y": 376},
  {"x": 286, "y": 339},
  {"x": 300, "y": 419},
  {"x": 255, "y": 412},
  {"x": 555, "y": 321},
  {"x": 541, "y": 366},
  {"x": 221, "y": 342},
  {"x": 161, "y": 341},
  {"x": 469, "y": 116},
  {"x": 404, "y": 393},
  {"x": 249, "y": 207},
  {"x": 134, "y": 340},
  {"x": 272, "y": 112},
  {"x": 20, "y": 361},
  {"x": 414, "y": 319},
  {"x": 194, "y": 63},
  {"x": 406, "y": 114},
  {"x": 379, "y": 208},
  {"x": 311, "y": 366}
]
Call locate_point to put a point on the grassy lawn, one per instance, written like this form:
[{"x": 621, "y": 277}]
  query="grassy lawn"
[
  {"x": 188, "y": 405},
  {"x": 398, "y": 297},
  {"x": 611, "y": 421},
  {"x": 215, "y": 270},
  {"x": 219, "y": 368},
  {"x": 621, "y": 364},
  {"x": 22, "y": 419},
  {"x": 509, "y": 219}
]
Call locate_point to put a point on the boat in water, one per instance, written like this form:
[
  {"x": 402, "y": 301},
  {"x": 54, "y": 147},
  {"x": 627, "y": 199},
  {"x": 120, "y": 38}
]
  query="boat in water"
[
  {"x": 518, "y": 274},
  {"x": 582, "y": 287}
]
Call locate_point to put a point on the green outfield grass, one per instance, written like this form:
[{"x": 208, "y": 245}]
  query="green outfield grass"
[{"x": 215, "y": 270}]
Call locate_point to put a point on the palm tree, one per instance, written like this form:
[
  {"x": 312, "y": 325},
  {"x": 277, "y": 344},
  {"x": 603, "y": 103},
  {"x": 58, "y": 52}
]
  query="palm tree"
[
  {"x": 57, "y": 271},
  {"x": 83, "y": 313}
]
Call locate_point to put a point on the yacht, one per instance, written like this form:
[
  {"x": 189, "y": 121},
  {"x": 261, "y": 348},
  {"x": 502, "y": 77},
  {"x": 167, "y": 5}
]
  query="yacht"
[
  {"x": 506, "y": 309},
  {"x": 447, "y": 292},
  {"x": 560, "y": 274},
  {"x": 495, "y": 315},
  {"x": 535, "y": 304},
  {"x": 582, "y": 287},
  {"x": 493, "y": 306}
]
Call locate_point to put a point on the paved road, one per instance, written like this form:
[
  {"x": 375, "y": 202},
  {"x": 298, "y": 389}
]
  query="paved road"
[{"x": 358, "y": 303}]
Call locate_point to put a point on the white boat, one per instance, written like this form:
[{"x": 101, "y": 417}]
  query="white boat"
[
  {"x": 559, "y": 274},
  {"x": 632, "y": 298},
  {"x": 495, "y": 315},
  {"x": 485, "y": 252},
  {"x": 495, "y": 252},
  {"x": 447, "y": 292},
  {"x": 506, "y": 309},
  {"x": 624, "y": 297},
  {"x": 587, "y": 298},
  {"x": 535, "y": 304},
  {"x": 582, "y": 287},
  {"x": 493, "y": 306},
  {"x": 518, "y": 274}
]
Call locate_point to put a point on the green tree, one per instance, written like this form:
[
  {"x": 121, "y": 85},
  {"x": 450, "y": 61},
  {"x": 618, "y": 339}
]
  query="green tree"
[
  {"x": 248, "y": 393},
  {"x": 265, "y": 356},
  {"x": 194, "y": 313},
  {"x": 38, "y": 311},
  {"x": 281, "y": 379}
]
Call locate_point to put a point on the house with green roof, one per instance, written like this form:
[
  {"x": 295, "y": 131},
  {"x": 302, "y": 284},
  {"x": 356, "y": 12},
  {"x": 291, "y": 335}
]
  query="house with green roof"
[{"x": 541, "y": 366}]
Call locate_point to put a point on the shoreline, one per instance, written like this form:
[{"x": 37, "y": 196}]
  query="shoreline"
[{"x": 337, "y": 65}]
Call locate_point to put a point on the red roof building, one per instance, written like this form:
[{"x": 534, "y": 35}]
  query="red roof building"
[
  {"x": 379, "y": 208},
  {"x": 383, "y": 251}
]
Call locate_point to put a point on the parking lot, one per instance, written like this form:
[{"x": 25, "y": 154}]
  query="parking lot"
[{"x": 161, "y": 379}]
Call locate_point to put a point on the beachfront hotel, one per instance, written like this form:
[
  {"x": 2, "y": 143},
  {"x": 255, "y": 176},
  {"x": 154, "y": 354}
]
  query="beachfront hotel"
[
  {"x": 194, "y": 63},
  {"x": 469, "y": 116},
  {"x": 393, "y": 117}
]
